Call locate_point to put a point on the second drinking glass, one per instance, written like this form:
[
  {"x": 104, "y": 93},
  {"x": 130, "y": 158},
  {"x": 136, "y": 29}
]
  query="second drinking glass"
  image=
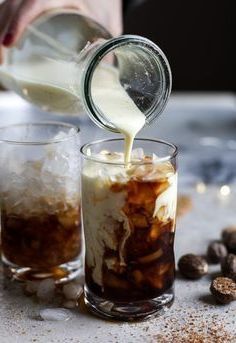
[
  {"x": 129, "y": 224},
  {"x": 40, "y": 200}
]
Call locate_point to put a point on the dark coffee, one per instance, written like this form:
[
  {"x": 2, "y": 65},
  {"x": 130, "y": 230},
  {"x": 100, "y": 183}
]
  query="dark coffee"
[
  {"x": 41, "y": 241},
  {"x": 147, "y": 267}
]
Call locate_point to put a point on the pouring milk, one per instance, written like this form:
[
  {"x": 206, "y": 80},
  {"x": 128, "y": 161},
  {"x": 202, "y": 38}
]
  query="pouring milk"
[{"x": 118, "y": 107}]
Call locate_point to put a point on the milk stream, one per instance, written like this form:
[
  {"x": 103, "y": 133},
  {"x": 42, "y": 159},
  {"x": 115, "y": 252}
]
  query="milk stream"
[{"x": 116, "y": 105}]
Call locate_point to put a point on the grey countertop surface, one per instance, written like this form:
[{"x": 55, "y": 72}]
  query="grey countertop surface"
[{"x": 192, "y": 121}]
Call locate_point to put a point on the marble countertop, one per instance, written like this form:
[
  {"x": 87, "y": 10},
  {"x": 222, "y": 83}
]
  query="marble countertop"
[{"x": 188, "y": 120}]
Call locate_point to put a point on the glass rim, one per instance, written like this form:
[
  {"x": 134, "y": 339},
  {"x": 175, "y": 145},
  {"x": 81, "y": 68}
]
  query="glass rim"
[
  {"x": 159, "y": 160},
  {"x": 39, "y": 142}
]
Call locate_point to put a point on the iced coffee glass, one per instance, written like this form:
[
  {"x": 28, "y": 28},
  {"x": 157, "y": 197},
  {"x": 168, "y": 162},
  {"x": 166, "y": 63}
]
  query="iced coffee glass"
[
  {"x": 40, "y": 200},
  {"x": 129, "y": 226}
]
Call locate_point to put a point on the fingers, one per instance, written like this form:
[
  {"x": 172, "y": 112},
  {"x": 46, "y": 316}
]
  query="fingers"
[
  {"x": 27, "y": 11},
  {"x": 7, "y": 10},
  {"x": 1, "y": 55},
  {"x": 24, "y": 15},
  {"x": 16, "y": 15},
  {"x": 6, "y": 14}
]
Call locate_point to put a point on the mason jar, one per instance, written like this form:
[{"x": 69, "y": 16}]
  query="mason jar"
[{"x": 64, "y": 57}]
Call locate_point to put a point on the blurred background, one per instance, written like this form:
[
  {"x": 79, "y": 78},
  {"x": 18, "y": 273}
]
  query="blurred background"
[{"x": 198, "y": 38}]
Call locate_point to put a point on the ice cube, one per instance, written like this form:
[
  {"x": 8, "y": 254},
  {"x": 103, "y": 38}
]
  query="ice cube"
[
  {"x": 31, "y": 287},
  {"x": 72, "y": 290},
  {"x": 155, "y": 157},
  {"x": 63, "y": 135},
  {"x": 56, "y": 165},
  {"x": 69, "y": 304},
  {"x": 55, "y": 314},
  {"x": 137, "y": 154},
  {"x": 106, "y": 305},
  {"x": 46, "y": 290}
]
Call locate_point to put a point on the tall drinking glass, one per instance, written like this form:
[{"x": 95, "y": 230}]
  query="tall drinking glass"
[
  {"x": 129, "y": 224},
  {"x": 40, "y": 200}
]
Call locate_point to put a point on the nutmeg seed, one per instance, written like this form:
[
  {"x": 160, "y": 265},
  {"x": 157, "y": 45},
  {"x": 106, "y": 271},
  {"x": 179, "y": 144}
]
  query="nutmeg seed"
[
  {"x": 192, "y": 266},
  {"x": 216, "y": 252},
  {"x": 228, "y": 266}
]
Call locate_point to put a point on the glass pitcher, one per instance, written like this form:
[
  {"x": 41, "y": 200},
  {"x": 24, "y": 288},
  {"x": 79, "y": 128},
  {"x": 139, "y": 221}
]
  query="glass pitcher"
[{"x": 64, "y": 57}]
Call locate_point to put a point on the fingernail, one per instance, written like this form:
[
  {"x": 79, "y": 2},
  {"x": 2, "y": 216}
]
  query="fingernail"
[{"x": 7, "y": 39}]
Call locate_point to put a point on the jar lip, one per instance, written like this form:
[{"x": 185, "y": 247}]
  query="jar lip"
[
  {"x": 159, "y": 160},
  {"x": 39, "y": 142},
  {"x": 95, "y": 58}
]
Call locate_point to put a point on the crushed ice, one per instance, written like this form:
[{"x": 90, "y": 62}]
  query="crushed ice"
[{"x": 41, "y": 180}]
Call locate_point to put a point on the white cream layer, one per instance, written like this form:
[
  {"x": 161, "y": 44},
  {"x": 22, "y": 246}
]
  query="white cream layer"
[
  {"x": 102, "y": 213},
  {"x": 102, "y": 210},
  {"x": 166, "y": 202}
]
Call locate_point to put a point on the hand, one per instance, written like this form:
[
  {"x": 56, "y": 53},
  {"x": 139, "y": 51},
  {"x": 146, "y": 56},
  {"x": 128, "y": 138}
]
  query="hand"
[{"x": 15, "y": 15}]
